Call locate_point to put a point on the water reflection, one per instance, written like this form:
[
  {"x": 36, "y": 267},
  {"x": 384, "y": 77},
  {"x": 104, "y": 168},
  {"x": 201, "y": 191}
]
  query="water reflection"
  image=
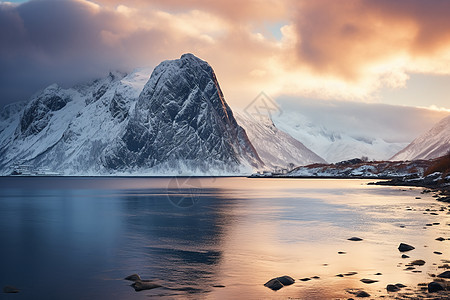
[
  {"x": 179, "y": 246},
  {"x": 77, "y": 238}
]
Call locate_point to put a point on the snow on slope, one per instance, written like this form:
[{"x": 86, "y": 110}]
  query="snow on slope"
[
  {"x": 432, "y": 144},
  {"x": 182, "y": 119},
  {"x": 275, "y": 147},
  {"x": 333, "y": 144},
  {"x": 183, "y": 126}
]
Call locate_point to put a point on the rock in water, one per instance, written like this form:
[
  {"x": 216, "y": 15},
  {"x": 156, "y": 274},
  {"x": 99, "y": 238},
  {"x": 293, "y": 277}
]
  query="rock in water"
[
  {"x": 10, "y": 289},
  {"x": 418, "y": 262},
  {"x": 368, "y": 281},
  {"x": 133, "y": 277},
  {"x": 274, "y": 284},
  {"x": 144, "y": 285},
  {"x": 286, "y": 280},
  {"x": 434, "y": 287},
  {"x": 446, "y": 274},
  {"x": 305, "y": 279},
  {"x": 405, "y": 247},
  {"x": 277, "y": 283},
  {"x": 355, "y": 239},
  {"x": 362, "y": 294},
  {"x": 392, "y": 288}
]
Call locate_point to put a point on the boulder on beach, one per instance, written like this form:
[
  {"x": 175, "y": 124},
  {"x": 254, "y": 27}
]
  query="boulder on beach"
[
  {"x": 10, "y": 289},
  {"x": 405, "y": 247},
  {"x": 277, "y": 283},
  {"x": 440, "y": 239},
  {"x": 355, "y": 239},
  {"x": 434, "y": 287}
]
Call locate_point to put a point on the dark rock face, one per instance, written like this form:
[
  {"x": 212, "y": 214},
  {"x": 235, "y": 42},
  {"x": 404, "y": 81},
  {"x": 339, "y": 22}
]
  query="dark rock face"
[
  {"x": 119, "y": 107},
  {"x": 405, "y": 247},
  {"x": 181, "y": 115},
  {"x": 38, "y": 112}
]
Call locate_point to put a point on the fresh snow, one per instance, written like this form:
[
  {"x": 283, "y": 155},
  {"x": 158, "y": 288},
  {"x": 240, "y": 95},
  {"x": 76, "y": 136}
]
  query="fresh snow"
[
  {"x": 331, "y": 144},
  {"x": 81, "y": 130},
  {"x": 276, "y": 148},
  {"x": 432, "y": 144}
]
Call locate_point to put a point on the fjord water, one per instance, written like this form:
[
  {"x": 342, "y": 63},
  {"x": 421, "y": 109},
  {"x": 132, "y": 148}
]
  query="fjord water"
[{"x": 212, "y": 238}]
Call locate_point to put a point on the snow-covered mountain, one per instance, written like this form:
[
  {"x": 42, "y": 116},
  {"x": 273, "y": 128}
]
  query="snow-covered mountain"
[
  {"x": 276, "y": 148},
  {"x": 176, "y": 122},
  {"x": 432, "y": 144},
  {"x": 331, "y": 143}
]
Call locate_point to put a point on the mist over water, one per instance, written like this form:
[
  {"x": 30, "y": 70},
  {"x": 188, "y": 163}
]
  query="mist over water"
[{"x": 77, "y": 238}]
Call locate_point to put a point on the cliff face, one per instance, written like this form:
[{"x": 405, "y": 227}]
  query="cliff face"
[{"x": 181, "y": 120}]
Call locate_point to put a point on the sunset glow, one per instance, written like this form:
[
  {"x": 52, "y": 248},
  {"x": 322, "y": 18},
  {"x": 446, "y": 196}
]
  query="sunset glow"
[{"x": 341, "y": 50}]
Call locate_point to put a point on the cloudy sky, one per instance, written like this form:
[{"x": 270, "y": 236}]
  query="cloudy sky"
[{"x": 383, "y": 51}]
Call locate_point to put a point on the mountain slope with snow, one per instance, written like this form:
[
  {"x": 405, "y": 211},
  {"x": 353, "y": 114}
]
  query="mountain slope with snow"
[
  {"x": 331, "y": 143},
  {"x": 276, "y": 148},
  {"x": 432, "y": 144},
  {"x": 176, "y": 122}
]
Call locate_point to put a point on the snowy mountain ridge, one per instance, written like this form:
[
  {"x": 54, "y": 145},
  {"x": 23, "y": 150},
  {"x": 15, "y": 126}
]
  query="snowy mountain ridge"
[
  {"x": 432, "y": 144},
  {"x": 276, "y": 148},
  {"x": 332, "y": 144},
  {"x": 182, "y": 126}
]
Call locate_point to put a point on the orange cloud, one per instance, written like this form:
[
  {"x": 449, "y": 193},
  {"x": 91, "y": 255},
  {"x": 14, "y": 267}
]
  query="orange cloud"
[
  {"x": 354, "y": 37},
  {"x": 328, "y": 49}
]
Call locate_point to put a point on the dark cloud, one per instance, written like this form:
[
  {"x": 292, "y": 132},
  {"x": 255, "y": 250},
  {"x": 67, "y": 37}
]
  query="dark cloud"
[
  {"x": 330, "y": 49},
  {"x": 47, "y": 41}
]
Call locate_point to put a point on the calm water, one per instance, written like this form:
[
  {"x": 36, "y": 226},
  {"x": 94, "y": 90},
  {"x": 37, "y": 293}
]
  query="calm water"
[{"x": 76, "y": 238}]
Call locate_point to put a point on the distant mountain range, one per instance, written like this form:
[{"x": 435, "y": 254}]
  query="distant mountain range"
[
  {"x": 432, "y": 144},
  {"x": 276, "y": 148},
  {"x": 174, "y": 120},
  {"x": 334, "y": 144}
]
